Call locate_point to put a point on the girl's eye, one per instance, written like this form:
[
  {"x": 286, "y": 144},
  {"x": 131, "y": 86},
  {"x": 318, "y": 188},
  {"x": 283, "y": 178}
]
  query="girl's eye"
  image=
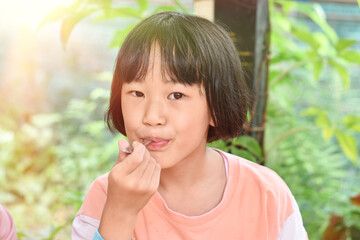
[
  {"x": 176, "y": 95},
  {"x": 137, "y": 94}
]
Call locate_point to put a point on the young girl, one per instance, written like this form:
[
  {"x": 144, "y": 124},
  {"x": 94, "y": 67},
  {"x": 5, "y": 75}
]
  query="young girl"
[{"x": 178, "y": 85}]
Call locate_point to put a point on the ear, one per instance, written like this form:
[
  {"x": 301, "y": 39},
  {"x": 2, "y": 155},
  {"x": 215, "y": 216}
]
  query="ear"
[{"x": 211, "y": 123}]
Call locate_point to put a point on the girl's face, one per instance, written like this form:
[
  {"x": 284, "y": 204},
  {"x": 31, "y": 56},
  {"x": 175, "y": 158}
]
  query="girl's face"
[{"x": 174, "y": 115}]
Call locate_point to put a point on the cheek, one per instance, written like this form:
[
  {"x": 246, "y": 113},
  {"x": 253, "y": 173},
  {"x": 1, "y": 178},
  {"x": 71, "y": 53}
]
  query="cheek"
[
  {"x": 130, "y": 119},
  {"x": 129, "y": 116},
  {"x": 194, "y": 119}
]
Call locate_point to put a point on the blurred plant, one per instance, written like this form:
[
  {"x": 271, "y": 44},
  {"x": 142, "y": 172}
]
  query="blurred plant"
[
  {"x": 295, "y": 47},
  {"x": 303, "y": 136},
  {"x": 337, "y": 228},
  {"x": 104, "y": 10},
  {"x": 31, "y": 184},
  {"x": 317, "y": 50},
  {"x": 50, "y": 160},
  {"x": 314, "y": 170},
  {"x": 243, "y": 146}
]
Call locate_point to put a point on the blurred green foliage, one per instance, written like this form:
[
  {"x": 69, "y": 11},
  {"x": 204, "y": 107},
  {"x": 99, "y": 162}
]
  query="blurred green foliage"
[
  {"x": 104, "y": 10},
  {"x": 49, "y": 160},
  {"x": 312, "y": 131}
]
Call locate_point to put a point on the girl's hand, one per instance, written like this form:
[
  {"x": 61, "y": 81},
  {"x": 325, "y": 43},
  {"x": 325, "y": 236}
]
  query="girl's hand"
[{"x": 132, "y": 181}]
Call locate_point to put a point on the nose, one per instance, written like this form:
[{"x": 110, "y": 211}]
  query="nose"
[{"x": 155, "y": 113}]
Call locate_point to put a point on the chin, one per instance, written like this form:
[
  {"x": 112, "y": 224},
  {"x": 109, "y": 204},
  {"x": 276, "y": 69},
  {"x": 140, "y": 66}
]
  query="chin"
[{"x": 164, "y": 164}]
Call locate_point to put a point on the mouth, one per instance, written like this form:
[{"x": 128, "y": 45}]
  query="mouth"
[{"x": 154, "y": 143}]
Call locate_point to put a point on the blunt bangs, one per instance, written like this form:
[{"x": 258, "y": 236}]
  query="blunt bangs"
[
  {"x": 193, "y": 51},
  {"x": 181, "y": 53}
]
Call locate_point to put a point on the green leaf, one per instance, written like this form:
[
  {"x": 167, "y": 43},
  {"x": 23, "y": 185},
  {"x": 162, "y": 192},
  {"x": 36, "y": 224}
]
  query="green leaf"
[
  {"x": 69, "y": 23},
  {"x": 248, "y": 116},
  {"x": 317, "y": 15},
  {"x": 104, "y": 4},
  {"x": 126, "y": 12},
  {"x": 287, "y": 6},
  {"x": 165, "y": 8},
  {"x": 317, "y": 68},
  {"x": 351, "y": 56},
  {"x": 59, "y": 13},
  {"x": 319, "y": 18},
  {"x": 342, "y": 71},
  {"x": 352, "y": 122},
  {"x": 325, "y": 46},
  {"x": 348, "y": 145},
  {"x": 250, "y": 144},
  {"x": 312, "y": 111},
  {"x": 243, "y": 153},
  {"x": 323, "y": 121},
  {"x": 55, "y": 15},
  {"x": 120, "y": 36},
  {"x": 351, "y": 119},
  {"x": 143, "y": 5},
  {"x": 343, "y": 44},
  {"x": 305, "y": 36},
  {"x": 327, "y": 133},
  {"x": 180, "y": 6},
  {"x": 219, "y": 144},
  {"x": 355, "y": 128}
]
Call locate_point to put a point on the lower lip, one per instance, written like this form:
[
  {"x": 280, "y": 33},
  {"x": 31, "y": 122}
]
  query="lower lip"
[{"x": 157, "y": 145}]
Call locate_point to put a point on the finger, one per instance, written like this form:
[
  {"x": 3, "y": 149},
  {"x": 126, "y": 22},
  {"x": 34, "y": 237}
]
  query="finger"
[
  {"x": 123, "y": 144},
  {"x": 136, "y": 161},
  {"x": 148, "y": 171},
  {"x": 155, "y": 178},
  {"x": 139, "y": 170}
]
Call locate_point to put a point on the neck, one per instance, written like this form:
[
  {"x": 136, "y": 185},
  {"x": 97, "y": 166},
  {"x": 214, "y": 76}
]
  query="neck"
[
  {"x": 190, "y": 171},
  {"x": 195, "y": 186}
]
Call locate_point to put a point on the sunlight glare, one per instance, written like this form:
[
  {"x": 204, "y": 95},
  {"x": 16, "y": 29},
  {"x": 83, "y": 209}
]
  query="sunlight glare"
[{"x": 28, "y": 13}]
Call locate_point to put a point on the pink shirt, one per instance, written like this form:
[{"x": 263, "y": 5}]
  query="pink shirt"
[
  {"x": 256, "y": 204},
  {"x": 7, "y": 227}
]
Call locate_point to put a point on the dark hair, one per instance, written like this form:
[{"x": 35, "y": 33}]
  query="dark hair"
[{"x": 193, "y": 51}]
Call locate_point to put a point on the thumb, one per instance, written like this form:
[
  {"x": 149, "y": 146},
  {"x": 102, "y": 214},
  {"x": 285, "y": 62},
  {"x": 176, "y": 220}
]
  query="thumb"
[{"x": 123, "y": 144}]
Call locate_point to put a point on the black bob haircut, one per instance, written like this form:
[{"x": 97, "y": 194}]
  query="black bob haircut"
[{"x": 193, "y": 51}]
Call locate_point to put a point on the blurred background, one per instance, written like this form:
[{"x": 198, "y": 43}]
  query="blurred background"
[{"x": 56, "y": 63}]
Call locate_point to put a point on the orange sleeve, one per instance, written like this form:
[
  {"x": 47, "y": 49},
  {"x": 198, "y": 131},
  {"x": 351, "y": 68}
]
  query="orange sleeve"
[{"x": 95, "y": 198}]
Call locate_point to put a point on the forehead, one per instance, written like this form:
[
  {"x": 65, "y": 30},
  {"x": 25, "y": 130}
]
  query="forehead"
[{"x": 157, "y": 67}]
